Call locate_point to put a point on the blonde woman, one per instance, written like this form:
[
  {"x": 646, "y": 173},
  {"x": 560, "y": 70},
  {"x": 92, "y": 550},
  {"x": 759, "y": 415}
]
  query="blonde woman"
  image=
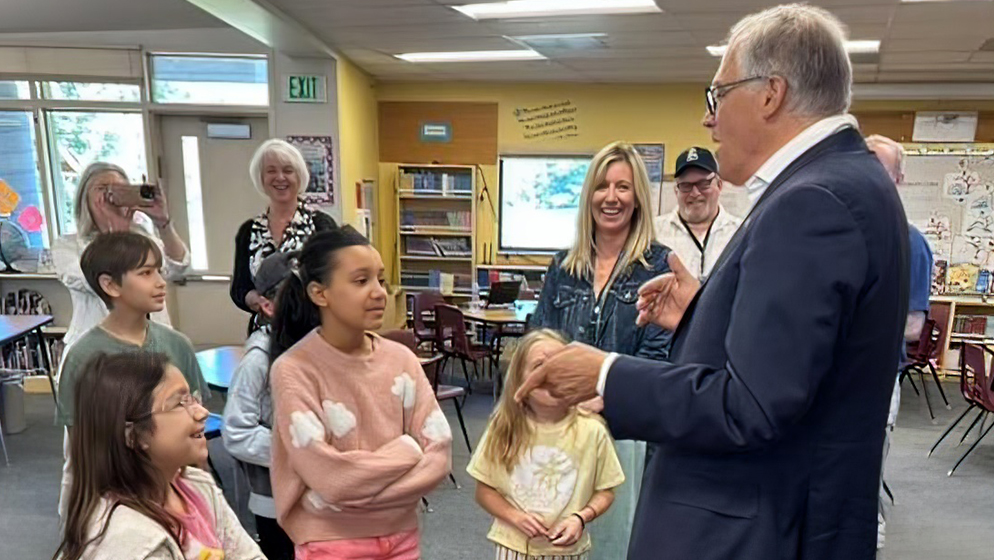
[{"x": 590, "y": 293}]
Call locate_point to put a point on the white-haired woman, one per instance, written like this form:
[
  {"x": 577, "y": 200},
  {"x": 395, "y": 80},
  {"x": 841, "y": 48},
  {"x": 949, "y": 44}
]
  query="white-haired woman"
[
  {"x": 279, "y": 173},
  {"x": 590, "y": 293},
  {"x": 96, "y": 213}
]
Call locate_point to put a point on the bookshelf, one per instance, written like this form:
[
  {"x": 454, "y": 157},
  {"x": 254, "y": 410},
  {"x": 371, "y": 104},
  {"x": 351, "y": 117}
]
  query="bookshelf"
[{"x": 436, "y": 245}]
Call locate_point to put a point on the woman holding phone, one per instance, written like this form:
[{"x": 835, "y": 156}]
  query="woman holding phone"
[{"x": 105, "y": 201}]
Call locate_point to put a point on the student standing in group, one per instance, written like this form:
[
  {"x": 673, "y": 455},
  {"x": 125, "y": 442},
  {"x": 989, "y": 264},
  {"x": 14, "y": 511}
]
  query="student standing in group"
[
  {"x": 248, "y": 414},
  {"x": 123, "y": 270},
  {"x": 97, "y": 211},
  {"x": 544, "y": 471},
  {"x": 698, "y": 229},
  {"x": 359, "y": 436},
  {"x": 137, "y": 428}
]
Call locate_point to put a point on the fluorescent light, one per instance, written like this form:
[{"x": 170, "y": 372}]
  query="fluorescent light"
[
  {"x": 542, "y": 8},
  {"x": 924, "y": 1},
  {"x": 470, "y": 56},
  {"x": 852, "y": 47}
]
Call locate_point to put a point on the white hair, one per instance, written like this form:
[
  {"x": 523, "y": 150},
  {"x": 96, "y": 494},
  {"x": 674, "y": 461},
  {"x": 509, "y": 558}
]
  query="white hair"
[
  {"x": 85, "y": 226},
  {"x": 804, "y": 45},
  {"x": 284, "y": 152}
]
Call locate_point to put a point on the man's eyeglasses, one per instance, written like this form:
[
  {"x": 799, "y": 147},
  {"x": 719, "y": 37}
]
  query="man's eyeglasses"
[
  {"x": 713, "y": 94},
  {"x": 189, "y": 402},
  {"x": 702, "y": 186}
]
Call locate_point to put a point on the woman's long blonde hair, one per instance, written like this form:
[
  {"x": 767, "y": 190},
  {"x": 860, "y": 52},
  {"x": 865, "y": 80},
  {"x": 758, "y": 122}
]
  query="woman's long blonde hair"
[
  {"x": 579, "y": 262},
  {"x": 510, "y": 433}
]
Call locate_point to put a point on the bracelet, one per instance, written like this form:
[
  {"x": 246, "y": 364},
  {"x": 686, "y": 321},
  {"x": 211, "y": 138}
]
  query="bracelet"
[{"x": 583, "y": 524}]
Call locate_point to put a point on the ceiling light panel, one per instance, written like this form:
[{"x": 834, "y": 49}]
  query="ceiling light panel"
[
  {"x": 553, "y": 8},
  {"x": 470, "y": 56}
]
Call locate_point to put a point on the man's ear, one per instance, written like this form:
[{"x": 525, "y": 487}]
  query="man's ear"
[
  {"x": 775, "y": 97},
  {"x": 109, "y": 286}
]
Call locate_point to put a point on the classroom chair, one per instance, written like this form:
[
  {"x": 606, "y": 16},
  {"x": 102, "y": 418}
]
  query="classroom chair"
[
  {"x": 976, "y": 387},
  {"x": 454, "y": 343},
  {"x": 928, "y": 343}
]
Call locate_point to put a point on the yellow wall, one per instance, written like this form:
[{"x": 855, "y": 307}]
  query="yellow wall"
[
  {"x": 668, "y": 114},
  {"x": 358, "y": 142}
]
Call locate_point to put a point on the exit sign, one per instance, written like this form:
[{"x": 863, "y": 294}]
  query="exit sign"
[{"x": 305, "y": 89}]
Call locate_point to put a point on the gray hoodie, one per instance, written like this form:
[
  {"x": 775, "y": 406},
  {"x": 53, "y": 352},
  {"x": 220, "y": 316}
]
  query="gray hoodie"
[{"x": 248, "y": 420}]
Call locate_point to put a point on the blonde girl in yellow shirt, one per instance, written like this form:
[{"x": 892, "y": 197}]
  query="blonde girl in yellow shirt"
[{"x": 544, "y": 471}]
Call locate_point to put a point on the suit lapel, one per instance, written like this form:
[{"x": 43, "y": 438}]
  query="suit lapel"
[{"x": 798, "y": 164}]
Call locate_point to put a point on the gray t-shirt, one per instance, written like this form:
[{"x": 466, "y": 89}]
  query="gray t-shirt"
[{"x": 160, "y": 339}]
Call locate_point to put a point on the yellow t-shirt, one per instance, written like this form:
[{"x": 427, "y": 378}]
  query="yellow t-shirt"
[{"x": 555, "y": 477}]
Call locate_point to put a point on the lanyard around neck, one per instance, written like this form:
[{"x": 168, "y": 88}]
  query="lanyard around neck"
[{"x": 701, "y": 246}]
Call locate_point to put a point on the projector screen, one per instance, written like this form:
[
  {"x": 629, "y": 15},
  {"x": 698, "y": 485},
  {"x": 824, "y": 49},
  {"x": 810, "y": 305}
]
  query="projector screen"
[{"x": 539, "y": 199}]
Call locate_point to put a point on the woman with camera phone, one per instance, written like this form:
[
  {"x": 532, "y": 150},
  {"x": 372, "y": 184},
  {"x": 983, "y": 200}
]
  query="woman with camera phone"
[{"x": 105, "y": 201}]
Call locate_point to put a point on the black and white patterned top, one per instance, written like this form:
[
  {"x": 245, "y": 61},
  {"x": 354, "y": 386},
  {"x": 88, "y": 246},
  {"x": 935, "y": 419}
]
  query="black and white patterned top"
[{"x": 255, "y": 242}]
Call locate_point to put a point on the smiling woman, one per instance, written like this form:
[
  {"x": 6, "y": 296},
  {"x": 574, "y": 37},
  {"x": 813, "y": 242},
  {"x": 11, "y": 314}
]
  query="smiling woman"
[
  {"x": 590, "y": 293},
  {"x": 279, "y": 172}
]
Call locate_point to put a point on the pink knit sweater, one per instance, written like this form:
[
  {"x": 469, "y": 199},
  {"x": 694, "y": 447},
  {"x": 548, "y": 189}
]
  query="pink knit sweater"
[{"x": 357, "y": 441}]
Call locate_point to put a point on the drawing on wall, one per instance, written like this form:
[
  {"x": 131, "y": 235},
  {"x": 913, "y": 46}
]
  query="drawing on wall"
[
  {"x": 553, "y": 121},
  {"x": 962, "y": 278},
  {"x": 939, "y": 270},
  {"x": 950, "y": 198},
  {"x": 979, "y": 207},
  {"x": 319, "y": 154}
]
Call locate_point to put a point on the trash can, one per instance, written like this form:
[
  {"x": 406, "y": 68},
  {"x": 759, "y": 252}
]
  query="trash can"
[{"x": 12, "y": 403}]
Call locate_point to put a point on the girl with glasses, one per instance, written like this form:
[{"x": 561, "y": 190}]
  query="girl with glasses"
[{"x": 134, "y": 496}]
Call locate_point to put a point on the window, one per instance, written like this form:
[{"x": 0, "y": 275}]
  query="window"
[
  {"x": 22, "y": 226},
  {"x": 14, "y": 90},
  {"x": 81, "y": 137},
  {"x": 210, "y": 80},
  {"x": 86, "y": 91},
  {"x": 194, "y": 202}
]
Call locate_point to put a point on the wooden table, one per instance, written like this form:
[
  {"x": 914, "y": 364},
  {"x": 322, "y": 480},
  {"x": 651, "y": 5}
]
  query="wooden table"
[
  {"x": 218, "y": 365},
  {"x": 499, "y": 319}
]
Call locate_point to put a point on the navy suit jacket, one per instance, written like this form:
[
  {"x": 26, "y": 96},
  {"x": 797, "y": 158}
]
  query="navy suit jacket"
[{"x": 770, "y": 417}]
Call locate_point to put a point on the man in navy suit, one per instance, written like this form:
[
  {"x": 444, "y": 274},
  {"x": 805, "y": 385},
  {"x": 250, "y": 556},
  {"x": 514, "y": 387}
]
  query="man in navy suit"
[{"x": 769, "y": 418}]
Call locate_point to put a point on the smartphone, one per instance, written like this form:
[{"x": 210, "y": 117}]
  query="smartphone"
[{"x": 132, "y": 196}]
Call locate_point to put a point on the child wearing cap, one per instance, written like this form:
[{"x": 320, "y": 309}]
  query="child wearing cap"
[{"x": 248, "y": 413}]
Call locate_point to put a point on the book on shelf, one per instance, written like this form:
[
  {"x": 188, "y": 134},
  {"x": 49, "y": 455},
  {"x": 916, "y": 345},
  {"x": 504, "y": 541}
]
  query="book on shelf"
[{"x": 436, "y": 218}]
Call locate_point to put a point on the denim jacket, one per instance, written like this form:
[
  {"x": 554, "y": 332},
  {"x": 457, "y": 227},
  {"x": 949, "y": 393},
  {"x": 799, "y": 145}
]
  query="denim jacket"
[{"x": 568, "y": 304}]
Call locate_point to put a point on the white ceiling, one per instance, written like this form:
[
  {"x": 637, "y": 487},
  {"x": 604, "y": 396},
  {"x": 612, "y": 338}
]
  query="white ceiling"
[
  {"x": 29, "y": 16},
  {"x": 921, "y": 42}
]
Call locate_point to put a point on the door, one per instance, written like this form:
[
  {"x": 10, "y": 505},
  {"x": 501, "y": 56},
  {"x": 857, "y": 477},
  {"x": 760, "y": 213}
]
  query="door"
[{"x": 210, "y": 195}]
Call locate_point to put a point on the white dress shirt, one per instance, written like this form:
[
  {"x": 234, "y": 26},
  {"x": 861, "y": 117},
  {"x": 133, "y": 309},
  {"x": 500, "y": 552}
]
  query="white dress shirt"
[
  {"x": 769, "y": 171},
  {"x": 764, "y": 177},
  {"x": 671, "y": 232}
]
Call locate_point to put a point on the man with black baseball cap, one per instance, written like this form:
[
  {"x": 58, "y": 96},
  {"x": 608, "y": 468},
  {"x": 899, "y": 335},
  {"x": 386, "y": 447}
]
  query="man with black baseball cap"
[{"x": 699, "y": 227}]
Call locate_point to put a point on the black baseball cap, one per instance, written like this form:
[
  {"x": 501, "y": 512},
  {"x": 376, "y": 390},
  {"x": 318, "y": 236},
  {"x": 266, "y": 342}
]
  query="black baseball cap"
[{"x": 696, "y": 157}]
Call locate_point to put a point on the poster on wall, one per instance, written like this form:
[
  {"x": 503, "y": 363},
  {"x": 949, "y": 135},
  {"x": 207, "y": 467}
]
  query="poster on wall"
[
  {"x": 653, "y": 155},
  {"x": 319, "y": 154}
]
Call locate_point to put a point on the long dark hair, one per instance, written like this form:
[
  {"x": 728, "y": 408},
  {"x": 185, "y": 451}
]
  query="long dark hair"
[
  {"x": 296, "y": 315},
  {"x": 106, "y": 458}
]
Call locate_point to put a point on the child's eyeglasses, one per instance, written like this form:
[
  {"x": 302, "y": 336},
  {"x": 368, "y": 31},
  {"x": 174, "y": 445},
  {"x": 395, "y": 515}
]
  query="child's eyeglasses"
[{"x": 189, "y": 402}]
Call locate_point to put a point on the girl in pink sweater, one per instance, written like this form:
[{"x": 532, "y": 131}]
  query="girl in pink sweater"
[{"x": 359, "y": 437}]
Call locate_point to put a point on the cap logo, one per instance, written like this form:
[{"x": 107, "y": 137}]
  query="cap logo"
[{"x": 692, "y": 154}]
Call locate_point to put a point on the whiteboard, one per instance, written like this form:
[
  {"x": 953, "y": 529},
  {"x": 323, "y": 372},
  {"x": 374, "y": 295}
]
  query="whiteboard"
[{"x": 950, "y": 199}]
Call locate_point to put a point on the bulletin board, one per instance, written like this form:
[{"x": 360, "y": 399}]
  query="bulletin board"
[{"x": 950, "y": 198}]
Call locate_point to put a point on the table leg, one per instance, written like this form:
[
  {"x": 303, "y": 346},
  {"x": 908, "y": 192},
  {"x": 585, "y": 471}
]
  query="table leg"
[{"x": 46, "y": 361}]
